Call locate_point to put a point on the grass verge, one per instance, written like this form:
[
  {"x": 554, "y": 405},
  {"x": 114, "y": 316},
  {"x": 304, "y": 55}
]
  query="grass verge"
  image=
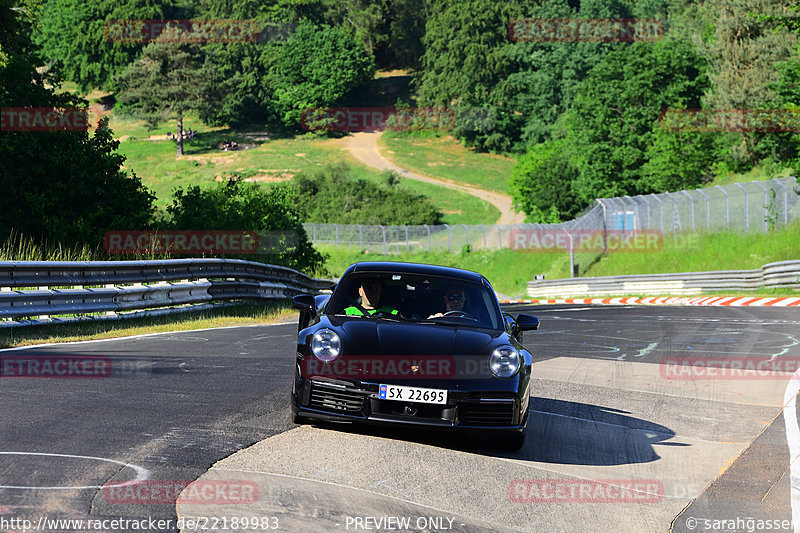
[
  {"x": 238, "y": 315},
  {"x": 706, "y": 252},
  {"x": 263, "y": 160},
  {"x": 445, "y": 157},
  {"x": 509, "y": 271}
]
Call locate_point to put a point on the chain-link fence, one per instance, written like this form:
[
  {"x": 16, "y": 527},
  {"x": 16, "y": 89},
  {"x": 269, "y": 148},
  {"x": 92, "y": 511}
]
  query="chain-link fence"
[{"x": 749, "y": 207}]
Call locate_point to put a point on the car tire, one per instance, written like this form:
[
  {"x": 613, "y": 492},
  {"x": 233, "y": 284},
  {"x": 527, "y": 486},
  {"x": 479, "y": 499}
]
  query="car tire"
[{"x": 514, "y": 442}]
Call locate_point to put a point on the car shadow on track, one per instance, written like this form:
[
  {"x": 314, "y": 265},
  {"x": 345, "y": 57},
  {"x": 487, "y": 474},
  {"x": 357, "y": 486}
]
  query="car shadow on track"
[{"x": 558, "y": 432}]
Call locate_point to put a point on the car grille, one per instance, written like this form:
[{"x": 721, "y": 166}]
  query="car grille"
[
  {"x": 496, "y": 413},
  {"x": 335, "y": 399}
]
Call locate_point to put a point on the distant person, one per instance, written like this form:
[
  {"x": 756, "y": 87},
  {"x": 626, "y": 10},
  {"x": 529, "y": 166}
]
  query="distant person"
[{"x": 371, "y": 291}]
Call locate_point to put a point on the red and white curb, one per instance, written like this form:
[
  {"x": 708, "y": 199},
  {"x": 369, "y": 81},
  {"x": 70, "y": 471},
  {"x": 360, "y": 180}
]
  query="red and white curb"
[{"x": 732, "y": 301}]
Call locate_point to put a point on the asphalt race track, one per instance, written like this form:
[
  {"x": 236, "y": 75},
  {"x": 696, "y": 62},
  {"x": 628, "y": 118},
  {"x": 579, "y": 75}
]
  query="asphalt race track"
[{"x": 620, "y": 438}]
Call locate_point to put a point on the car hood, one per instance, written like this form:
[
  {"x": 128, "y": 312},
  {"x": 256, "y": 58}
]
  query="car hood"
[{"x": 384, "y": 337}]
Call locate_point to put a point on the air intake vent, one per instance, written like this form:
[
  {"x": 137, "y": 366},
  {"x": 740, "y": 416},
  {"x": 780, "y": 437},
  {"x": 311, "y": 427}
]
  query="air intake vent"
[
  {"x": 497, "y": 413},
  {"x": 335, "y": 399}
]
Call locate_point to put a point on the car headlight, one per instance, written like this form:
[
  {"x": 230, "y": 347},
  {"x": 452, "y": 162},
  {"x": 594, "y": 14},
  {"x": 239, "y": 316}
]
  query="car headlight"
[
  {"x": 504, "y": 362},
  {"x": 326, "y": 345}
]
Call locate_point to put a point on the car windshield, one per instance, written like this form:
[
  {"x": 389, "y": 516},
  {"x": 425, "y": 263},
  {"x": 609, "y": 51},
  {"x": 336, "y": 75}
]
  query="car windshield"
[{"x": 413, "y": 297}]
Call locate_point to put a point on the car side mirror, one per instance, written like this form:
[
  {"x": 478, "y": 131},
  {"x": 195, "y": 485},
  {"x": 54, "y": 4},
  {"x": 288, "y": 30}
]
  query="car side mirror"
[
  {"x": 527, "y": 322},
  {"x": 307, "y": 305},
  {"x": 305, "y": 302}
]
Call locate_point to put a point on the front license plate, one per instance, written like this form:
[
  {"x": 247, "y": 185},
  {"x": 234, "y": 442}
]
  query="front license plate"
[{"x": 412, "y": 394}]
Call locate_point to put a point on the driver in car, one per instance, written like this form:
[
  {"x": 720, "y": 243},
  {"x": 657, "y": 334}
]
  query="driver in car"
[
  {"x": 370, "y": 291},
  {"x": 454, "y": 300}
]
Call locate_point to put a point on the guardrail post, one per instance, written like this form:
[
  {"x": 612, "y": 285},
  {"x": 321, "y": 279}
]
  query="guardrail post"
[
  {"x": 360, "y": 236},
  {"x": 449, "y": 238},
  {"x": 727, "y": 211},
  {"x": 766, "y": 206},
  {"x": 660, "y": 213},
  {"x": 708, "y": 212},
  {"x": 466, "y": 228},
  {"x": 499, "y": 236},
  {"x": 314, "y": 229},
  {"x": 647, "y": 202},
  {"x": 785, "y": 203},
  {"x": 406, "y": 228},
  {"x": 571, "y": 256},
  {"x": 605, "y": 228},
  {"x": 385, "y": 252},
  {"x": 746, "y": 209},
  {"x": 484, "y": 235},
  {"x": 691, "y": 206},
  {"x": 336, "y": 227},
  {"x": 429, "y": 236}
]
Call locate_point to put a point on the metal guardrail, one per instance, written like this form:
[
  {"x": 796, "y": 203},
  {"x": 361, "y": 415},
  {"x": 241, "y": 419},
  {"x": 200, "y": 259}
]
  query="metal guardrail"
[
  {"x": 42, "y": 289},
  {"x": 783, "y": 274}
]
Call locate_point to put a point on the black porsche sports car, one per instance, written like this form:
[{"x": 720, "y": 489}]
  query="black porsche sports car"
[{"x": 405, "y": 343}]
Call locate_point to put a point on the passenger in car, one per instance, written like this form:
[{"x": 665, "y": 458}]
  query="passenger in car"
[{"x": 370, "y": 291}]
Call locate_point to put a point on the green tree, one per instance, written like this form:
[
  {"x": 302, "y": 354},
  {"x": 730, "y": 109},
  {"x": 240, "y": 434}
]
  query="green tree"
[
  {"x": 73, "y": 34},
  {"x": 542, "y": 183},
  {"x": 391, "y": 30},
  {"x": 746, "y": 44},
  {"x": 65, "y": 187},
  {"x": 547, "y": 74},
  {"x": 466, "y": 65},
  {"x": 333, "y": 195},
  {"x": 243, "y": 91},
  {"x": 165, "y": 82},
  {"x": 679, "y": 160},
  {"x": 617, "y": 107},
  {"x": 239, "y": 205},
  {"x": 318, "y": 67}
]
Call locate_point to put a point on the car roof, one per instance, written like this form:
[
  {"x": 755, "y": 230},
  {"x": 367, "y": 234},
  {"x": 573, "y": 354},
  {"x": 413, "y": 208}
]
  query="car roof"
[{"x": 414, "y": 268}]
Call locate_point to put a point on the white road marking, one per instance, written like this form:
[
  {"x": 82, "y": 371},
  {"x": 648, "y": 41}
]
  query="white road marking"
[
  {"x": 793, "y": 438},
  {"x": 141, "y": 473},
  {"x": 644, "y": 351}
]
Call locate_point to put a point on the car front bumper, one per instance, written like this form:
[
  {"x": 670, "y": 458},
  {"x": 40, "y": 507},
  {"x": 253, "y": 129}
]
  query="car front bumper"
[{"x": 474, "y": 411}]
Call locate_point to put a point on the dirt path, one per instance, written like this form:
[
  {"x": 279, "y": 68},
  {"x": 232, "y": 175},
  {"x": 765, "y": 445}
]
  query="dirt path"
[{"x": 364, "y": 147}]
